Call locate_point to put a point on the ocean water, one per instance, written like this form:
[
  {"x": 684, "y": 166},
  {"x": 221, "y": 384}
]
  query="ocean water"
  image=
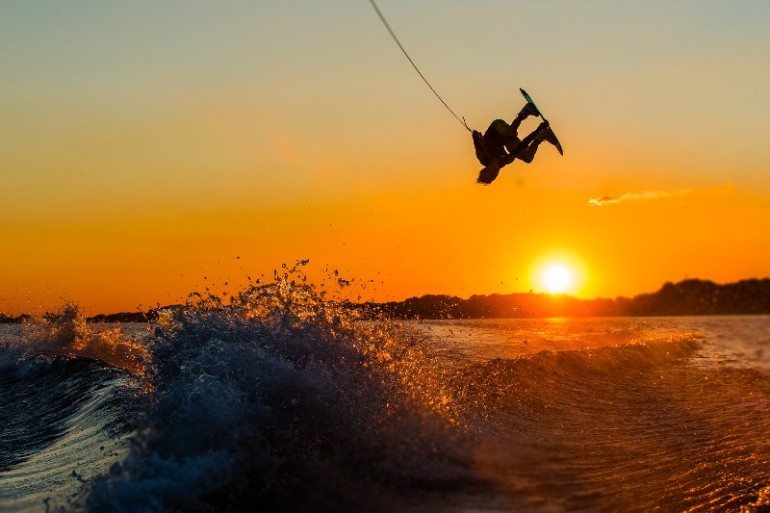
[{"x": 283, "y": 401}]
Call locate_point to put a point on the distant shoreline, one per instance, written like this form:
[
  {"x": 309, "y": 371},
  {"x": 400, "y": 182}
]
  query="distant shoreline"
[{"x": 687, "y": 297}]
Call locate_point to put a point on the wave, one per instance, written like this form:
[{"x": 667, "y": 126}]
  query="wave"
[
  {"x": 281, "y": 400},
  {"x": 565, "y": 376},
  {"x": 67, "y": 334},
  {"x": 62, "y": 425},
  {"x": 627, "y": 428}
]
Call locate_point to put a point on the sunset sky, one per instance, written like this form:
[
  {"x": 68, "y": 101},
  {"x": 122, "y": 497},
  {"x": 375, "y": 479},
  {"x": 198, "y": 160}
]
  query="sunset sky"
[{"x": 149, "y": 148}]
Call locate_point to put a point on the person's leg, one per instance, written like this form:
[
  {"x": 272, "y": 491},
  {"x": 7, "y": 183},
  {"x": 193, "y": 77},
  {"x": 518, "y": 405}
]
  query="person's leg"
[
  {"x": 526, "y": 111},
  {"x": 526, "y": 149},
  {"x": 527, "y": 155}
]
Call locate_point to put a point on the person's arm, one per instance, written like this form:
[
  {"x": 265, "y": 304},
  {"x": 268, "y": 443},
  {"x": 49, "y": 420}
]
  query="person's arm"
[{"x": 478, "y": 145}]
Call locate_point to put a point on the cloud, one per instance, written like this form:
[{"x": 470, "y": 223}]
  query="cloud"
[
  {"x": 646, "y": 195},
  {"x": 651, "y": 195}
]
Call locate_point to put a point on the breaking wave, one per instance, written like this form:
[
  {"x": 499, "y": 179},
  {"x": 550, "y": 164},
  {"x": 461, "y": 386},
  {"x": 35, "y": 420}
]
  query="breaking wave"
[
  {"x": 281, "y": 400},
  {"x": 67, "y": 334}
]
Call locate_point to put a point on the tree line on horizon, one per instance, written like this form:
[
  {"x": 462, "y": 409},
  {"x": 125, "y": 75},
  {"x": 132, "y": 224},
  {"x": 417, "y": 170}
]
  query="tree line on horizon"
[{"x": 687, "y": 297}]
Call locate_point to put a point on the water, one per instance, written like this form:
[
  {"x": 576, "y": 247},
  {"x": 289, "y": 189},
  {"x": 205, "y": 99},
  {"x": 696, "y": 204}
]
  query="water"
[
  {"x": 670, "y": 414},
  {"x": 283, "y": 401}
]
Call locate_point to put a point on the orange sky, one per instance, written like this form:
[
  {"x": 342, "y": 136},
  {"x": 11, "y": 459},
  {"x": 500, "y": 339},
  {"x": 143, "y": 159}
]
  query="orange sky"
[{"x": 147, "y": 151}]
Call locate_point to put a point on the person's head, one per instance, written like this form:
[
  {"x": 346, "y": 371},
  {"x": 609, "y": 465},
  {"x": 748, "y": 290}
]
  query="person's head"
[{"x": 489, "y": 173}]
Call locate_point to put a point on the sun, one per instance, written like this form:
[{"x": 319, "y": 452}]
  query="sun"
[{"x": 557, "y": 278}]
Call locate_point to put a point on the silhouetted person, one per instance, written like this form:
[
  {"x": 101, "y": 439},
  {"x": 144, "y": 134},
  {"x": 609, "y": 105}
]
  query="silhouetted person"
[{"x": 500, "y": 145}]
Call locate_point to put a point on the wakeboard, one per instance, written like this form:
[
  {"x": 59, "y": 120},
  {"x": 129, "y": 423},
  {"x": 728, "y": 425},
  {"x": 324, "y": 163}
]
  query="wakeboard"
[{"x": 540, "y": 113}]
